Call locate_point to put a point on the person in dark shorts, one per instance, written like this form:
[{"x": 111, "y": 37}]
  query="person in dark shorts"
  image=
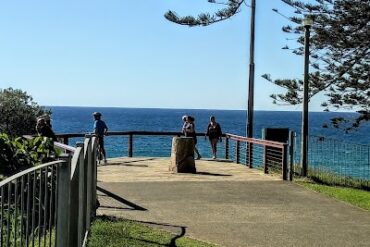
[
  {"x": 214, "y": 134},
  {"x": 189, "y": 131},
  {"x": 100, "y": 129}
]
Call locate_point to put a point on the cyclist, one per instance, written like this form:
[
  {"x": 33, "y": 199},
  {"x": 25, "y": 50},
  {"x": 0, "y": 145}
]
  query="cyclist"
[{"x": 100, "y": 129}]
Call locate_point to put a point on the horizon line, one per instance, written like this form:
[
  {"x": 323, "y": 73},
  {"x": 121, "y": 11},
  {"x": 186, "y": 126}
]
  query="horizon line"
[{"x": 210, "y": 109}]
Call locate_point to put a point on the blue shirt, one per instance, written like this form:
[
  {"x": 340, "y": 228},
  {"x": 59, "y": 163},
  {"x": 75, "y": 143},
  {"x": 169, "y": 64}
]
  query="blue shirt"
[{"x": 100, "y": 127}]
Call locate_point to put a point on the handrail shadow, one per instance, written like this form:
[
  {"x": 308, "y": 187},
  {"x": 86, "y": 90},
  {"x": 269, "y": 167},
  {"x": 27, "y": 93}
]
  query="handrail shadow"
[
  {"x": 173, "y": 240},
  {"x": 121, "y": 200},
  {"x": 213, "y": 174}
]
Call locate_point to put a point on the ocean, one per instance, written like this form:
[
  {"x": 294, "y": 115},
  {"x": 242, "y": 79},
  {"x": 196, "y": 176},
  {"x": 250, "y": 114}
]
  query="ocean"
[{"x": 80, "y": 120}]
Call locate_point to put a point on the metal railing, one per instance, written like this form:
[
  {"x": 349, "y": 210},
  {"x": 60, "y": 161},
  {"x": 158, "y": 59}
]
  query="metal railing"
[
  {"x": 38, "y": 205},
  {"x": 336, "y": 162},
  {"x": 269, "y": 155},
  {"x": 255, "y": 153}
]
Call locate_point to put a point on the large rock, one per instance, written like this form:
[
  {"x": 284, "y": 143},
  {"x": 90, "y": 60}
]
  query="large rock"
[{"x": 182, "y": 155}]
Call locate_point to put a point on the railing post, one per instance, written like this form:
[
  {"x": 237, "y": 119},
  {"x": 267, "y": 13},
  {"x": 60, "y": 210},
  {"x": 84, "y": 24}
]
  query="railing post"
[
  {"x": 89, "y": 180},
  {"x": 285, "y": 161},
  {"x": 265, "y": 163},
  {"x": 130, "y": 145},
  {"x": 226, "y": 147},
  {"x": 94, "y": 176},
  {"x": 63, "y": 201},
  {"x": 250, "y": 154},
  {"x": 81, "y": 226},
  {"x": 237, "y": 155},
  {"x": 291, "y": 153},
  {"x": 75, "y": 200}
]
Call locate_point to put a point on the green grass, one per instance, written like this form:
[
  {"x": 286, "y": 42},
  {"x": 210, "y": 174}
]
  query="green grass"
[
  {"x": 113, "y": 232},
  {"x": 326, "y": 177},
  {"x": 356, "y": 197}
]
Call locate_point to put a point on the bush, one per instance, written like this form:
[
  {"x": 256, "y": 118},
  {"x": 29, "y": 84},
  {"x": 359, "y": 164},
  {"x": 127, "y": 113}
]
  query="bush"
[
  {"x": 18, "y": 112},
  {"x": 19, "y": 154}
]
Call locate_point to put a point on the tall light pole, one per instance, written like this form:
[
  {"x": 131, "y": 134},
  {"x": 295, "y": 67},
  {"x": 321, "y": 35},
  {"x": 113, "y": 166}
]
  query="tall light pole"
[
  {"x": 307, "y": 23},
  {"x": 251, "y": 72}
]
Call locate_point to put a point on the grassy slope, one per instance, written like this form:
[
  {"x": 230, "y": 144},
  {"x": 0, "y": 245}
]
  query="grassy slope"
[
  {"x": 111, "y": 232},
  {"x": 359, "y": 198}
]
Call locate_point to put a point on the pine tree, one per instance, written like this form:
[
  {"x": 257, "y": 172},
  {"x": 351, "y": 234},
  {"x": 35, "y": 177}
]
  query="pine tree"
[
  {"x": 339, "y": 57},
  {"x": 339, "y": 52}
]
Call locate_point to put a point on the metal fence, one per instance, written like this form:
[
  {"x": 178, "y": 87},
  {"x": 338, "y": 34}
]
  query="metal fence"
[
  {"x": 269, "y": 156},
  {"x": 38, "y": 205},
  {"x": 335, "y": 161}
]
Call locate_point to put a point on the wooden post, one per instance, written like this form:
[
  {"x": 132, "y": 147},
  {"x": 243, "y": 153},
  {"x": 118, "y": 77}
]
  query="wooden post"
[
  {"x": 130, "y": 145},
  {"x": 63, "y": 201},
  {"x": 250, "y": 153},
  {"x": 81, "y": 227},
  {"x": 237, "y": 155},
  {"x": 291, "y": 153},
  {"x": 94, "y": 175},
  {"x": 89, "y": 180},
  {"x": 285, "y": 161},
  {"x": 226, "y": 148},
  {"x": 265, "y": 163}
]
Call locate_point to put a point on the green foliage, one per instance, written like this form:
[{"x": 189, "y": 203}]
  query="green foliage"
[
  {"x": 339, "y": 57},
  {"x": 18, "y": 112},
  {"x": 340, "y": 53},
  {"x": 109, "y": 231},
  {"x": 204, "y": 19},
  {"x": 19, "y": 153}
]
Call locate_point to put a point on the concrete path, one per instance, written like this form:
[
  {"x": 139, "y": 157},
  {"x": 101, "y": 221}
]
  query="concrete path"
[{"x": 228, "y": 204}]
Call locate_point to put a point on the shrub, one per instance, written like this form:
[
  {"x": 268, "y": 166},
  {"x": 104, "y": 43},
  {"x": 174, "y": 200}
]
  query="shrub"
[{"x": 19, "y": 153}]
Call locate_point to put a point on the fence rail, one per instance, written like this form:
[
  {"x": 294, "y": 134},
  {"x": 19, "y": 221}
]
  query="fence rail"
[
  {"x": 271, "y": 156},
  {"x": 38, "y": 205},
  {"x": 263, "y": 154}
]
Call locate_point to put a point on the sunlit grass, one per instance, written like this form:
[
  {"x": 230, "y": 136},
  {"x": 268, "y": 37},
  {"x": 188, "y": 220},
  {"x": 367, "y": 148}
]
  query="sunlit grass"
[
  {"x": 113, "y": 232},
  {"x": 356, "y": 197}
]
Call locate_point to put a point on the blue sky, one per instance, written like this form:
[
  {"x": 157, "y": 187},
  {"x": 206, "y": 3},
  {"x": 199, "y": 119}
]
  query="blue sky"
[{"x": 125, "y": 54}]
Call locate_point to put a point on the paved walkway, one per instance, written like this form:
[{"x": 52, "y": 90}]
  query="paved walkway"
[{"x": 228, "y": 204}]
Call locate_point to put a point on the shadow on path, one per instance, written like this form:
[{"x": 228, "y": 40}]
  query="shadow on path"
[
  {"x": 121, "y": 200},
  {"x": 213, "y": 174},
  {"x": 127, "y": 163}
]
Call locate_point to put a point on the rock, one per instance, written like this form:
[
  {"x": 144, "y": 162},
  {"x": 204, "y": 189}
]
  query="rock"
[{"x": 182, "y": 155}]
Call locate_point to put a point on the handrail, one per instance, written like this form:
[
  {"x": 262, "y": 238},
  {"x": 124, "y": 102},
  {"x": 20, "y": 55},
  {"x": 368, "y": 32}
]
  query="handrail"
[
  {"x": 61, "y": 193},
  {"x": 75, "y": 161},
  {"x": 131, "y": 132},
  {"x": 56, "y": 144},
  {"x": 65, "y": 147},
  {"x": 29, "y": 170},
  {"x": 256, "y": 141}
]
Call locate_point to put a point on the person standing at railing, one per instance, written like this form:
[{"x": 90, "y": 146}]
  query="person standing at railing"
[
  {"x": 184, "y": 123},
  {"x": 43, "y": 127},
  {"x": 100, "y": 129},
  {"x": 214, "y": 134},
  {"x": 189, "y": 131}
]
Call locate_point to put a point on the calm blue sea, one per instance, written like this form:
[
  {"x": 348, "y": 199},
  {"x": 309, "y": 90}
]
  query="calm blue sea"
[{"x": 80, "y": 120}]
